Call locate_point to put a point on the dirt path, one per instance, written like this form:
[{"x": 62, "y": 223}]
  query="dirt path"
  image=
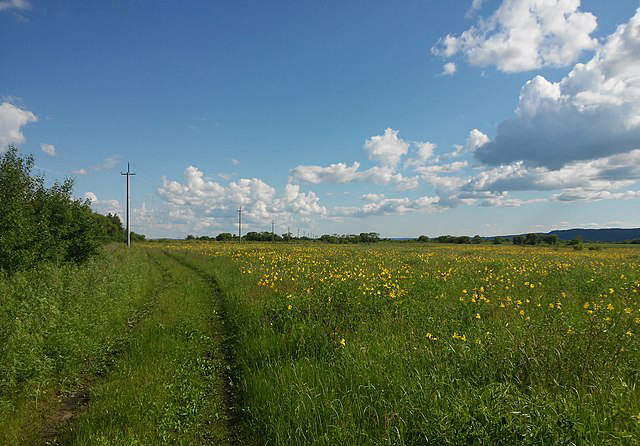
[
  {"x": 225, "y": 333},
  {"x": 71, "y": 405}
]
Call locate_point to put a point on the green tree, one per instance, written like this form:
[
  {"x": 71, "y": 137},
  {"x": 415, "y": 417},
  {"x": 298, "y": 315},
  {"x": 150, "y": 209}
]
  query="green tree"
[
  {"x": 39, "y": 224},
  {"x": 224, "y": 237}
]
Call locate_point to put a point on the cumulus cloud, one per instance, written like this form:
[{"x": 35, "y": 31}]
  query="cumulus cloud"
[
  {"x": 387, "y": 148},
  {"x": 593, "y": 112},
  {"x": 12, "y": 119},
  {"x": 449, "y": 69},
  {"x": 80, "y": 172},
  {"x": 475, "y": 140},
  {"x": 524, "y": 35},
  {"x": 341, "y": 173},
  {"x": 49, "y": 149},
  {"x": 203, "y": 198}
]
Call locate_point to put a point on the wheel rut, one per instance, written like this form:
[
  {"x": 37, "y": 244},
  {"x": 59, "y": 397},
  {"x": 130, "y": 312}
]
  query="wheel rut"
[
  {"x": 71, "y": 405},
  {"x": 232, "y": 394}
]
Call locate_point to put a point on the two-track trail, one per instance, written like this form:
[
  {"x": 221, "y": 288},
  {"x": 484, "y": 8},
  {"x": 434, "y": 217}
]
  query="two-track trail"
[{"x": 174, "y": 380}]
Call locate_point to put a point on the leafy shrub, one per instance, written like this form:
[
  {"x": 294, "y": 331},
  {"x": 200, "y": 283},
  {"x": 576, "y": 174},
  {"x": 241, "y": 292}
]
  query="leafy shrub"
[{"x": 39, "y": 224}]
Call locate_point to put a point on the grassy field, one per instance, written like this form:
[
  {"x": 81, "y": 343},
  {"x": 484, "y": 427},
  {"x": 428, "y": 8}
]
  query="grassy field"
[
  {"x": 408, "y": 344},
  {"x": 214, "y": 343}
]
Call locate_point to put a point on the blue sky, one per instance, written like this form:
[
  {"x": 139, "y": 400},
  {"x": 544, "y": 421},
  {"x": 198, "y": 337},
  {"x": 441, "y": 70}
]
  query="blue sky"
[{"x": 403, "y": 118}]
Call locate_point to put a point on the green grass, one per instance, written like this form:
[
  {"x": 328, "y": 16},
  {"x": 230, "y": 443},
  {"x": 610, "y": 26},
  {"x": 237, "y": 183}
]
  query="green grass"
[
  {"x": 59, "y": 325},
  {"x": 561, "y": 376},
  {"x": 167, "y": 387},
  {"x": 398, "y": 344}
]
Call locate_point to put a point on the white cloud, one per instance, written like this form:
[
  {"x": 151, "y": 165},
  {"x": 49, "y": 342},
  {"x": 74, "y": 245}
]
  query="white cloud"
[
  {"x": 449, "y": 69},
  {"x": 334, "y": 173},
  {"x": 340, "y": 173},
  {"x": 476, "y": 139},
  {"x": 49, "y": 149},
  {"x": 372, "y": 198},
  {"x": 234, "y": 161},
  {"x": 423, "y": 153},
  {"x": 425, "y": 150},
  {"x": 475, "y": 6},
  {"x": 15, "y": 4},
  {"x": 456, "y": 166},
  {"x": 201, "y": 198},
  {"x": 380, "y": 205},
  {"x": 387, "y": 148},
  {"x": 107, "y": 163},
  {"x": 12, "y": 119},
  {"x": 80, "y": 172},
  {"x": 591, "y": 195},
  {"x": 524, "y": 35},
  {"x": 593, "y": 112},
  {"x": 103, "y": 206}
]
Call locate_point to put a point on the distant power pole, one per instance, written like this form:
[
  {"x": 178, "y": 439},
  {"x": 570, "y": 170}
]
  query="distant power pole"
[
  {"x": 128, "y": 173},
  {"x": 273, "y": 234},
  {"x": 240, "y": 223},
  {"x": 298, "y": 232}
]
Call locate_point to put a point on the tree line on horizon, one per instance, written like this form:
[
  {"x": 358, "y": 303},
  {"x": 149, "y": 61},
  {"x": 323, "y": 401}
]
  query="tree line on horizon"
[{"x": 531, "y": 239}]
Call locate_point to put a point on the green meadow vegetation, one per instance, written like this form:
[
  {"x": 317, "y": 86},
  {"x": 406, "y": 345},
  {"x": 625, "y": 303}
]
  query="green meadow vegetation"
[
  {"x": 305, "y": 343},
  {"x": 433, "y": 344}
]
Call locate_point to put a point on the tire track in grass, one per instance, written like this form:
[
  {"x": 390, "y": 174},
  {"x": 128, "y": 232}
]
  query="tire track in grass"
[
  {"x": 70, "y": 406},
  {"x": 232, "y": 394}
]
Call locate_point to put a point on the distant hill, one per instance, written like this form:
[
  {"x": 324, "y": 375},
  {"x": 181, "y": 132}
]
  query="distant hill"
[
  {"x": 595, "y": 235},
  {"x": 599, "y": 235}
]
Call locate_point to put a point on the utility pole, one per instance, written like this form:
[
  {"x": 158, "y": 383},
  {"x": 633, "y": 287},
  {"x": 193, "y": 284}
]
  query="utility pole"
[
  {"x": 298, "y": 232},
  {"x": 273, "y": 234},
  {"x": 128, "y": 173},
  {"x": 240, "y": 223}
]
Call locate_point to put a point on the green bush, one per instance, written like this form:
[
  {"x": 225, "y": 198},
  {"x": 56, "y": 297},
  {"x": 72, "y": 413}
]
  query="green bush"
[{"x": 39, "y": 224}]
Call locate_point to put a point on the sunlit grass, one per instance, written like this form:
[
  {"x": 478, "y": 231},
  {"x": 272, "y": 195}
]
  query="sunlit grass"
[{"x": 400, "y": 344}]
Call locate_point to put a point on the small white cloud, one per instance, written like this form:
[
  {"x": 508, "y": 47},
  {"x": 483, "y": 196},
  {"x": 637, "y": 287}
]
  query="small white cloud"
[
  {"x": 12, "y": 119},
  {"x": 80, "y": 172},
  {"x": 107, "y": 163},
  {"x": 234, "y": 161},
  {"x": 49, "y": 149},
  {"x": 103, "y": 206},
  {"x": 475, "y": 140},
  {"x": 475, "y": 6},
  {"x": 380, "y": 205},
  {"x": 449, "y": 69},
  {"x": 372, "y": 198},
  {"x": 21, "y": 5},
  {"x": 387, "y": 148}
]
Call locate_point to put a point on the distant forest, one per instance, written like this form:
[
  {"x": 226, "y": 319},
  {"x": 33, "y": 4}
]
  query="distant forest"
[{"x": 572, "y": 237}]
